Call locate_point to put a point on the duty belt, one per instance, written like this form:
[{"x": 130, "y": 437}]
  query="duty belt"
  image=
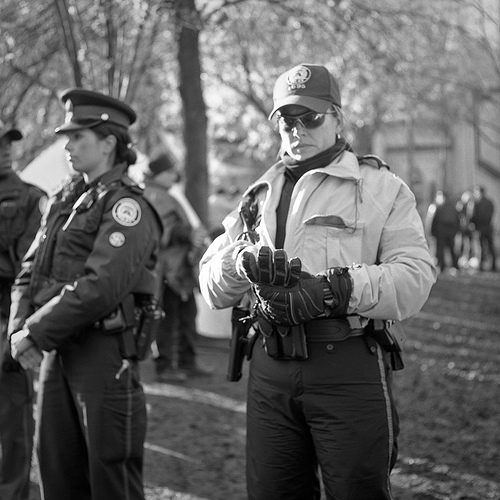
[{"x": 330, "y": 330}]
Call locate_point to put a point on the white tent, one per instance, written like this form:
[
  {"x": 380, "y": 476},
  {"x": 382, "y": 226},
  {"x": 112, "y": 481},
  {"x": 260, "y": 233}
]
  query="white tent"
[{"x": 49, "y": 168}]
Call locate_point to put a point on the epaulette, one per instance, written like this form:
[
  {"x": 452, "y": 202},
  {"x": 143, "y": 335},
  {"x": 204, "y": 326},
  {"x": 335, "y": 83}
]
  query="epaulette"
[
  {"x": 373, "y": 160},
  {"x": 38, "y": 189},
  {"x": 132, "y": 185}
]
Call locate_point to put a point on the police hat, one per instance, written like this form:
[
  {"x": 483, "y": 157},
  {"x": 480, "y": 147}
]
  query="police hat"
[
  {"x": 87, "y": 109},
  {"x": 13, "y": 133},
  {"x": 308, "y": 85}
]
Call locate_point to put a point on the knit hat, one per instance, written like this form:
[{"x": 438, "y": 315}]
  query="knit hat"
[
  {"x": 308, "y": 85},
  {"x": 160, "y": 164},
  {"x": 13, "y": 133}
]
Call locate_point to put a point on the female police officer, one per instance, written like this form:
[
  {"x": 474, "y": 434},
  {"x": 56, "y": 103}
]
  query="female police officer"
[
  {"x": 92, "y": 262},
  {"x": 319, "y": 390}
]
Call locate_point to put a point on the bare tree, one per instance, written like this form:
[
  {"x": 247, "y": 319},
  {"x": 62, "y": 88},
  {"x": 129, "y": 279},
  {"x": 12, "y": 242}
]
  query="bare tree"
[{"x": 194, "y": 109}]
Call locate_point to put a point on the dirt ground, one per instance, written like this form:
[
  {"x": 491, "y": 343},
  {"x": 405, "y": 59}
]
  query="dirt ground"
[{"x": 448, "y": 398}]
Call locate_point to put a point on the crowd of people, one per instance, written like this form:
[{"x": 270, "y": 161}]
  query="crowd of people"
[
  {"x": 325, "y": 253},
  {"x": 462, "y": 231}
]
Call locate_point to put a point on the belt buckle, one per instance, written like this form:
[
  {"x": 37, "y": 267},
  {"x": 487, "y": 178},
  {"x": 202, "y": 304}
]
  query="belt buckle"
[{"x": 357, "y": 322}]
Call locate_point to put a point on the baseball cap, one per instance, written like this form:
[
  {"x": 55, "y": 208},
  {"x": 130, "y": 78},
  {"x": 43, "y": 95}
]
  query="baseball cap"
[
  {"x": 87, "y": 109},
  {"x": 13, "y": 133},
  {"x": 309, "y": 85}
]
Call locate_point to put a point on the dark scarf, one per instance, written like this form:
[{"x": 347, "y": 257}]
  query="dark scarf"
[{"x": 294, "y": 171}]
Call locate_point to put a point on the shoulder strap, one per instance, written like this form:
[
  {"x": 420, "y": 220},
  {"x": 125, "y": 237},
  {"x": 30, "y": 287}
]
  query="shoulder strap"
[{"x": 373, "y": 161}]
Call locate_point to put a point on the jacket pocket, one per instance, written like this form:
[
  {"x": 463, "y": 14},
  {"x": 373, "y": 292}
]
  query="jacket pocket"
[
  {"x": 339, "y": 242},
  {"x": 73, "y": 246}
]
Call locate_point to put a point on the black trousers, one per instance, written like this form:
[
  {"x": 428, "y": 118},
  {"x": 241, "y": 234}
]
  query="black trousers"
[
  {"x": 333, "y": 411},
  {"x": 487, "y": 248},
  {"x": 91, "y": 422},
  {"x": 176, "y": 335},
  {"x": 16, "y": 428},
  {"x": 446, "y": 242}
]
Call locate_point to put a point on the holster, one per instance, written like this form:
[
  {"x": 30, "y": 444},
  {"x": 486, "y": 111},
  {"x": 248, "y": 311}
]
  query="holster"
[
  {"x": 381, "y": 331},
  {"x": 136, "y": 319},
  {"x": 240, "y": 344},
  {"x": 283, "y": 342},
  {"x": 150, "y": 315}
]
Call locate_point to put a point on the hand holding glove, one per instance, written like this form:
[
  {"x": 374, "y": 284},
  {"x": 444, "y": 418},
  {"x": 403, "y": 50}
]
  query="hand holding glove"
[{"x": 310, "y": 297}]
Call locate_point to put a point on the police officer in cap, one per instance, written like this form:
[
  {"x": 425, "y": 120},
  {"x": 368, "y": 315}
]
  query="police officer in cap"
[
  {"x": 21, "y": 206},
  {"x": 75, "y": 304},
  {"x": 326, "y": 246}
]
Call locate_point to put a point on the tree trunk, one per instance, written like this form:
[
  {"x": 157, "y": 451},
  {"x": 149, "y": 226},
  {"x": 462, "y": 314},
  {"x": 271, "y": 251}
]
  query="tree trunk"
[
  {"x": 194, "y": 109},
  {"x": 69, "y": 39}
]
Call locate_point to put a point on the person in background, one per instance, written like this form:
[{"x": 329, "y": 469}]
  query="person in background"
[
  {"x": 445, "y": 226},
  {"x": 83, "y": 290},
  {"x": 465, "y": 208},
  {"x": 174, "y": 351},
  {"x": 21, "y": 206},
  {"x": 482, "y": 217},
  {"x": 324, "y": 247}
]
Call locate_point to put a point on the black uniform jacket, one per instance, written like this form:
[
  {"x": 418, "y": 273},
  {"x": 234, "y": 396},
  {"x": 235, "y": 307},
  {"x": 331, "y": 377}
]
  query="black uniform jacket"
[
  {"x": 21, "y": 206},
  {"x": 97, "y": 245}
]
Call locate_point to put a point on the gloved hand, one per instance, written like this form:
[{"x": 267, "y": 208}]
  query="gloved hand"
[
  {"x": 271, "y": 267},
  {"x": 286, "y": 306},
  {"x": 310, "y": 297}
]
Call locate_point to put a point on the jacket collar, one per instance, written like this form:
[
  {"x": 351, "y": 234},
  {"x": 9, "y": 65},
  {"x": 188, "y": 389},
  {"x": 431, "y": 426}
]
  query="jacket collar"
[
  {"x": 115, "y": 174},
  {"x": 345, "y": 166}
]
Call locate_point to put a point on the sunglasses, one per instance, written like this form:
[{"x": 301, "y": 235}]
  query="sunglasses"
[{"x": 309, "y": 120}]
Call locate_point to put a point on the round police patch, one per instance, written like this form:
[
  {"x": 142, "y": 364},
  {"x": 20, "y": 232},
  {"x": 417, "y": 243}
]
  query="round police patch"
[
  {"x": 127, "y": 212},
  {"x": 116, "y": 239}
]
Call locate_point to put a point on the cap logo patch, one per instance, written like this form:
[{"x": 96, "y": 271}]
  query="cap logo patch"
[
  {"x": 298, "y": 78},
  {"x": 116, "y": 239},
  {"x": 127, "y": 212}
]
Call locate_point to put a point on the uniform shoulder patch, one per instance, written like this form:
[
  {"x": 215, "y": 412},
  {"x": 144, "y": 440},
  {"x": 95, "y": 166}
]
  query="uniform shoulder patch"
[{"x": 127, "y": 212}]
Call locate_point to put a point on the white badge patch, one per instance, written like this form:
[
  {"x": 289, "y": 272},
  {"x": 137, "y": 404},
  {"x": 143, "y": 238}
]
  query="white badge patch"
[
  {"x": 116, "y": 239},
  {"x": 127, "y": 212}
]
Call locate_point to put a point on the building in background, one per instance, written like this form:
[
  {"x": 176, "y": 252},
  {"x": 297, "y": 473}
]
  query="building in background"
[{"x": 433, "y": 150}]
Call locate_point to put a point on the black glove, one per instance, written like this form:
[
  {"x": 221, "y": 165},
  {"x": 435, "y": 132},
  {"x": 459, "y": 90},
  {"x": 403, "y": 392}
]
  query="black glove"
[
  {"x": 310, "y": 297},
  {"x": 271, "y": 267},
  {"x": 341, "y": 288}
]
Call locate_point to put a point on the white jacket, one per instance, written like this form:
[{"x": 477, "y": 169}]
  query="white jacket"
[{"x": 345, "y": 214}]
